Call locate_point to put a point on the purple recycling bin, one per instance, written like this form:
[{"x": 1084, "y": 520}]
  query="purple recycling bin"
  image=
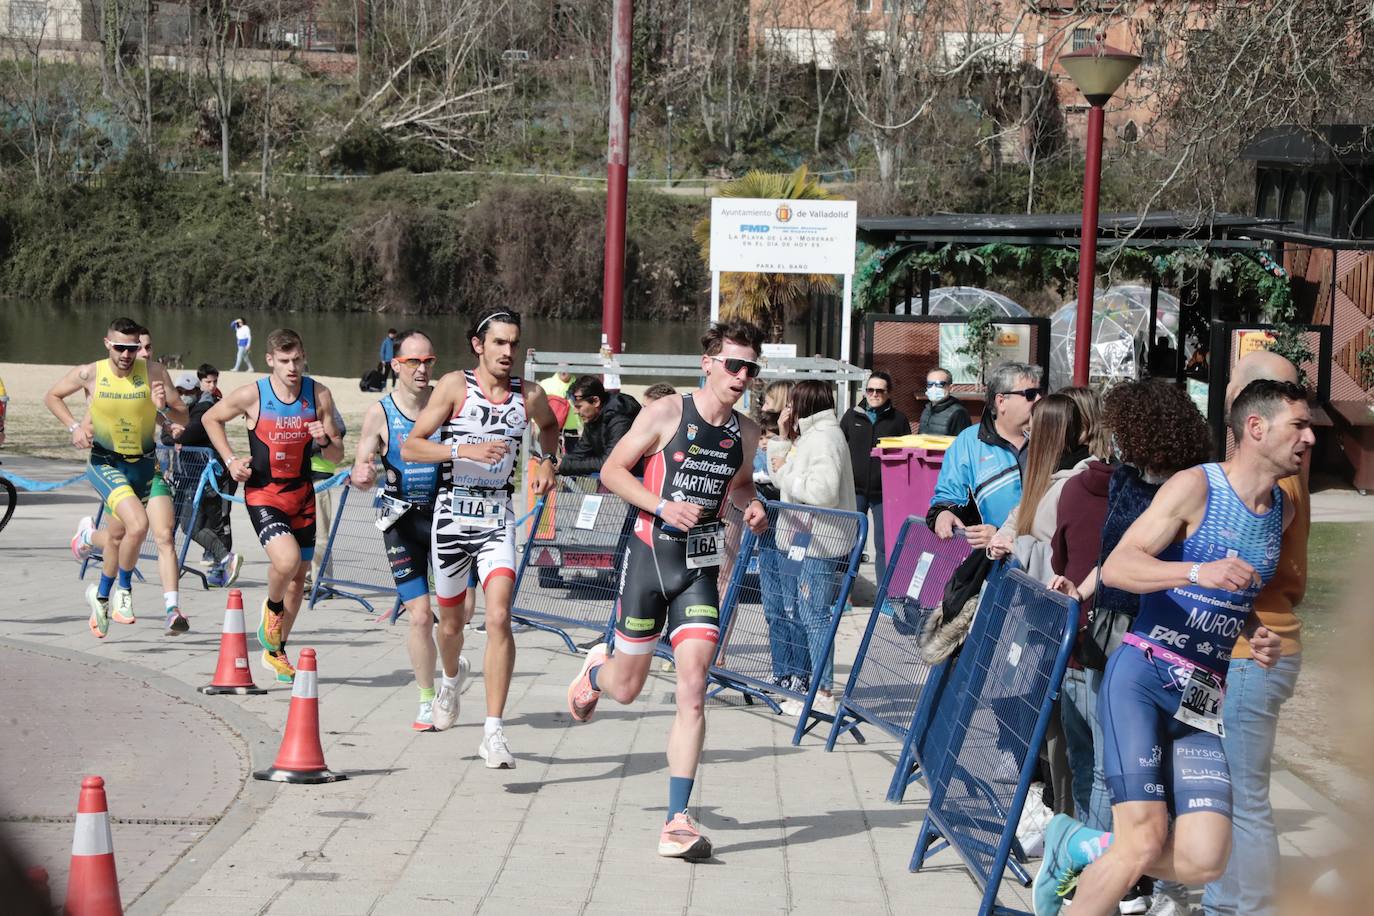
[{"x": 909, "y": 476}]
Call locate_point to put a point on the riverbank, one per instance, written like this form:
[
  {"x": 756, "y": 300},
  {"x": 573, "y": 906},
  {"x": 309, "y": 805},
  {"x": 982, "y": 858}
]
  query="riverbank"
[{"x": 437, "y": 244}]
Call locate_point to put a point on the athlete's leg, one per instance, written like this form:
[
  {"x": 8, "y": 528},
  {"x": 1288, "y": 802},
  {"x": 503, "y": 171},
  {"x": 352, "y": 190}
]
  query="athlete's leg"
[
  {"x": 284, "y": 562},
  {"x": 450, "y": 634},
  {"x": 499, "y": 660},
  {"x": 692, "y": 658},
  {"x": 161, "y": 520},
  {"x": 623, "y": 675},
  {"x": 1139, "y": 846},
  {"x": 134, "y": 518},
  {"x": 420, "y": 641},
  {"x": 295, "y": 596}
]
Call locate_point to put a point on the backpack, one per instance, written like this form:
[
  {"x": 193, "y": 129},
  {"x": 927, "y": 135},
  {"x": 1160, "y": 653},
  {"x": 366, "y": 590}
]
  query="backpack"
[{"x": 372, "y": 380}]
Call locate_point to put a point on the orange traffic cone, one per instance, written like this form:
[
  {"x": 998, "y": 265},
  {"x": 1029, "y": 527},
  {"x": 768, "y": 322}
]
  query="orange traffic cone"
[
  {"x": 232, "y": 674},
  {"x": 301, "y": 758},
  {"x": 93, "y": 886}
]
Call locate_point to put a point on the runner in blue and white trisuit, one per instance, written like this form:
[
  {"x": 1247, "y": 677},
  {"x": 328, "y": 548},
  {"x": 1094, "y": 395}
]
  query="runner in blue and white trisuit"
[
  {"x": 1198, "y": 556},
  {"x": 480, "y": 417},
  {"x": 407, "y": 515}
]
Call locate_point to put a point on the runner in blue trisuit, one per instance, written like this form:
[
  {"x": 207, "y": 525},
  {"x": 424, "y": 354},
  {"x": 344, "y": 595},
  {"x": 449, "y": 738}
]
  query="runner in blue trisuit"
[{"x": 1198, "y": 556}]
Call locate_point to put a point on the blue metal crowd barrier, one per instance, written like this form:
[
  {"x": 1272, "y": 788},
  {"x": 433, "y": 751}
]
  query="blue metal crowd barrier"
[
  {"x": 354, "y": 565},
  {"x": 886, "y": 683},
  {"x": 987, "y": 727},
  {"x": 569, "y": 570},
  {"x": 183, "y": 468},
  {"x": 783, "y": 605}
]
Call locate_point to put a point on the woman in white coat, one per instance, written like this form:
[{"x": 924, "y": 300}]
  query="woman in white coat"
[{"x": 811, "y": 467}]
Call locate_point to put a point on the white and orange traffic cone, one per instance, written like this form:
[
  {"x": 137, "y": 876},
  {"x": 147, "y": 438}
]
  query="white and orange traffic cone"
[
  {"x": 232, "y": 674},
  {"x": 92, "y": 886},
  {"x": 301, "y": 757}
]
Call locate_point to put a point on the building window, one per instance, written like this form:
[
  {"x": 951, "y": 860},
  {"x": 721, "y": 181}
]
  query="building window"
[
  {"x": 1082, "y": 38},
  {"x": 1295, "y": 205},
  {"x": 1323, "y": 206},
  {"x": 1269, "y": 198},
  {"x": 1152, "y": 49},
  {"x": 28, "y": 17},
  {"x": 863, "y": 6}
]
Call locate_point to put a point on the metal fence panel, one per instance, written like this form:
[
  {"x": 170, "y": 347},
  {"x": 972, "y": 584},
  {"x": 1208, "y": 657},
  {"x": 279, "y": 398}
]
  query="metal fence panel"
[
  {"x": 569, "y": 576},
  {"x": 979, "y": 770},
  {"x": 787, "y": 591},
  {"x": 355, "y": 564},
  {"x": 886, "y": 683},
  {"x": 182, "y": 469}
]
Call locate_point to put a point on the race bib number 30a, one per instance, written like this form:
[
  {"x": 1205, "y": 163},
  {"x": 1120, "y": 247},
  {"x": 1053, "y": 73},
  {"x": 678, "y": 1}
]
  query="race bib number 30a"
[
  {"x": 474, "y": 512},
  {"x": 1201, "y": 703},
  {"x": 706, "y": 545}
]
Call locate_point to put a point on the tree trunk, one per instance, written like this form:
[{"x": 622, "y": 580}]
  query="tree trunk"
[{"x": 148, "y": 75}]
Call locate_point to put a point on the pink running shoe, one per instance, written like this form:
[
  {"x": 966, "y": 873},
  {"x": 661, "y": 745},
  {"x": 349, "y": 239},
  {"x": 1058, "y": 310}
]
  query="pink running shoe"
[
  {"x": 681, "y": 839},
  {"x": 582, "y": 696},
  {"x": 81, "y": 541}
]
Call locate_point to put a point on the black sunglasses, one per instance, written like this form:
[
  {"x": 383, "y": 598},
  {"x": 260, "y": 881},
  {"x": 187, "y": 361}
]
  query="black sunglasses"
[
  {"x": 126, "y": 348},
  {"x": 875, "y": 391},
  {"x": 734, "y": 364},
  {"x": 1030, "y": 394}
]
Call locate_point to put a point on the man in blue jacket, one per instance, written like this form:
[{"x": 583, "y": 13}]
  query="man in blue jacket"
[
  {"x": 980, "y": 480},
  {"x": 386, "y": 354}
]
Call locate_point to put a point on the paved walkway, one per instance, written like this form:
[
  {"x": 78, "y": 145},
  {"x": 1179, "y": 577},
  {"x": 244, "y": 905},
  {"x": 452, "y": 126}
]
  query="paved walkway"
[{"x": 421, "y": 826}]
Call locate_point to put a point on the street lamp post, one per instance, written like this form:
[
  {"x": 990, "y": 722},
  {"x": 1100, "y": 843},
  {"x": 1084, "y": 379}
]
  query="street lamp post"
[
  {"x": 670, "y": 145},
  {"x": 1098, "y": 71}
]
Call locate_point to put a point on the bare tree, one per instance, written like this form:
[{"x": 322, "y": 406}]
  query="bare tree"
[{"x": 222, "y": 34}]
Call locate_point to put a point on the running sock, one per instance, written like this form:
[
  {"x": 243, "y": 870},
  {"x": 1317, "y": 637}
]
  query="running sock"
[
  {"x": 126, "y": 579},
  {"x": 169, "y": 599},
  {"x": 452, "y": 682},
  {"x": 679, "y": 791},
  {"x": 591, "y": 676},
  {"x": 102, "y": 591},
  {"x": 491, "y": 726},
  {"x": 426, "y": 694},
  {"x": 1086, "y": 845},
  {"x": 276, "y": 607}
]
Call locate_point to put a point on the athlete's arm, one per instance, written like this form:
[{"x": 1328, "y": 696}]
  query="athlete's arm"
[
  {"x": 236, "y": 404},
  {"x": 172, "y": 409},
  {"x": 78, "y": 378},
  {"x": 1134, "y": 565},
  {"x": 447, "y": 395},
  {"x": 544, "y": 478},
  {"x": 325, "y": 427},
  {"x": 370, "y": 441},
  {"x": 755, "y": 516},
  {"x": 644, "y": 438}
]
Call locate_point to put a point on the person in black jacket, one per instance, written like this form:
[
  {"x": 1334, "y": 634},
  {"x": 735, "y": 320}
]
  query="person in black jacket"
[
  {"x": 211, "y": 528},
  {"x": 944, "y": 415},
  {"x": 605, "y": 419},
  {"x": 863, "y": 426}
]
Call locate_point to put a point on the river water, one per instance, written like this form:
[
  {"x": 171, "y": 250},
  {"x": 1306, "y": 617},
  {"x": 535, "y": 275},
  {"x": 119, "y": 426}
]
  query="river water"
[{"x": 339, "y": 344}]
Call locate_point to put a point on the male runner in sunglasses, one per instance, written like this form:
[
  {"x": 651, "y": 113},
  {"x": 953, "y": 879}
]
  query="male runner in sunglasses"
[
  {"x": 698, "y": 452},
  {"x": 409, "y": 491},
  {"x": 127, "y": 394},
  {"x": 480, "y": 417}
]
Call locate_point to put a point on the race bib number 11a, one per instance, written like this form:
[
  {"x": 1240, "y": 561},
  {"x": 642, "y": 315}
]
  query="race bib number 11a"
[{"x": 473, "y": 512}]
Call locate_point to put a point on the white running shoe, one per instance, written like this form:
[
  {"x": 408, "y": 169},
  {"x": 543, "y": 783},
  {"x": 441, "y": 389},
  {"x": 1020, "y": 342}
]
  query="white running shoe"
[
  {"x": 496, "y": 752},
  {"x": 424, "y": 719},
  {"x": 81, "y": 541},
  {"x": 122, "y": 606},
  {"x": 232, "y": 564},
  {"x": 445, "y": 708},
  {"x": 464, "y": 675}
]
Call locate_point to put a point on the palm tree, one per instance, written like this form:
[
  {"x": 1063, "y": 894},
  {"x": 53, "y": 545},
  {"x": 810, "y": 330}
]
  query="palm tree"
[{"x": 765, "y": 298}]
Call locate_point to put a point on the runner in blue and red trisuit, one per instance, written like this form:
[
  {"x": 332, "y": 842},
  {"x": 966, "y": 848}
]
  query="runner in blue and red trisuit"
[
  {"x": 290, "y": 418},
  {"x": 1198, "y": 556}
]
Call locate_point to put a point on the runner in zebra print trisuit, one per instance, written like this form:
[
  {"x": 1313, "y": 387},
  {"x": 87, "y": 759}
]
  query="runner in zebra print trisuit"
[{"x": 481, "y": 415}]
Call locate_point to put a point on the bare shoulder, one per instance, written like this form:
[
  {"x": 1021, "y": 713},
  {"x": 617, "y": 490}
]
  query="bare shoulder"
[
  {"x": 748, "y": 426},
  {"x": 532, "y": 389},
  {"x": 323, "y": 394},
  {"x": 664, "y": 412},
  {"x": 452, "y": 387}
]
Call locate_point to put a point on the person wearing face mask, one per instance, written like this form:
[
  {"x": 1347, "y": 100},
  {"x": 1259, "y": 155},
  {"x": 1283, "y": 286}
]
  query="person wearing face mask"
[
  {"x": 863, "y": 425},
  {"x": 944, "y": 415}
]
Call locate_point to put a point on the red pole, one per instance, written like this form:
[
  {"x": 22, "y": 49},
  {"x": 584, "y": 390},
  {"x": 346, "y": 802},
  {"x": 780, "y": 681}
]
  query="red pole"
[
  {"x": 617, "y": 173},
  {"x": 1087, "y": 255}
]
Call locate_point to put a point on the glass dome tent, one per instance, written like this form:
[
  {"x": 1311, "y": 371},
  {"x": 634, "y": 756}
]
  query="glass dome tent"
[
  {"x": 960, "y": 300},
  {"x": 1120, "y": 339}
]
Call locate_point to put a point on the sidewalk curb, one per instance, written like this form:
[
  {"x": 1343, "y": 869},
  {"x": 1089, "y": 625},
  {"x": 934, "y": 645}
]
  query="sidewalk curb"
[
  {"x": 1312, "y": 797},
  {"x": 251, "y": 800}
]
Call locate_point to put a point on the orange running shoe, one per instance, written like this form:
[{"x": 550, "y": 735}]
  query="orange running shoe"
[
  {"x": 280, "y": 665},
  {"x": 582, "y": 696},
  {"x": 681, "y": 839}
]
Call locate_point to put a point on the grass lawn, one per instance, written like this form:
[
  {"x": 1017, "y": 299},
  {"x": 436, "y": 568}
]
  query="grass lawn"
[{"x": 1332, "y": 552}]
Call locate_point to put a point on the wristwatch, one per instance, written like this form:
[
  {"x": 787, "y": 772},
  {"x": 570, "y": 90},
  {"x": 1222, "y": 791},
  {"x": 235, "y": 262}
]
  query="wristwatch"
[{"x": 1193, "y": 573}]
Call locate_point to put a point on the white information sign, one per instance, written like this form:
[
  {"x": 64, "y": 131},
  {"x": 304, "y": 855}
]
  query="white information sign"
[
  {"x": 1012, "y": 344},
  {"x": 587, "y": 512},
  {"x": 752, "y": 235},
  {"x": 779, "y": 351}
]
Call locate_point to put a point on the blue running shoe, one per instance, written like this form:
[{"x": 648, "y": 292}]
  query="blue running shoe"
[{"x": 1057, "y": 871}]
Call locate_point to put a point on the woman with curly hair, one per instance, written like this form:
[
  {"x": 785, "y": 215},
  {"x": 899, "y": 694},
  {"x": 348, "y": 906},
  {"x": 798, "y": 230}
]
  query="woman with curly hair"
[{"x": 1156, "y": 432}]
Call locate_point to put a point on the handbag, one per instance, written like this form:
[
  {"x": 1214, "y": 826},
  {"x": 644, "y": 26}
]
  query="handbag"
[{"x": 1106, "y": 627}]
